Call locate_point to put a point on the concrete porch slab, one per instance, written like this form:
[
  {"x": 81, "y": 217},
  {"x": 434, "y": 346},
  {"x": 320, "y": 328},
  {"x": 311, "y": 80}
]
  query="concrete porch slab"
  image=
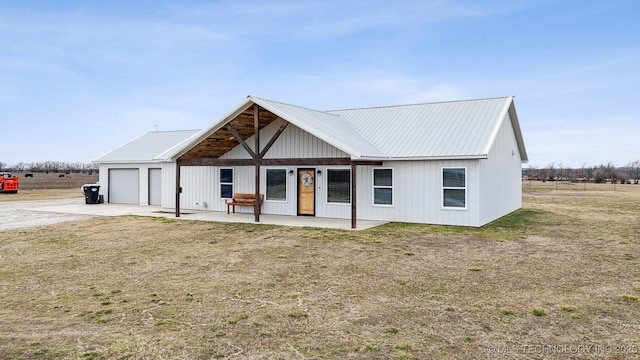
[{"x": 73, "y": 206}]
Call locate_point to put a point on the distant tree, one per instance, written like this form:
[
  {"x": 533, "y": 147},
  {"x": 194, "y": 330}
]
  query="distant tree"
[
  {"x": 550, "y": 172},
  {"x": 634, "y": 170},
  {"x": 560, "y": 172},
  {"x": 57, "y": 166},
  {"x": 613, "y": 175},
  {"x": 530, "y": 173},
  {"x": 604, "y": 173},
  {"x": 583, "y": 173},
  {"x": 564, "y": 172},
  {"x": 621, "y": 176}
]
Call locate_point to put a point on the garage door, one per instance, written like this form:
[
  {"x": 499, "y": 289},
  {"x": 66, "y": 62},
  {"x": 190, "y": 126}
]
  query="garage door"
[
  {"x": 123, "y": 186},
  {"x": 155, "y": 186}
]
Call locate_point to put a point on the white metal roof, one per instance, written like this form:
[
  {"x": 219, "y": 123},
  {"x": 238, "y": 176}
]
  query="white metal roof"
[
  {"x": 328, "y": 127},
  {"x": 152, "y": 146},
  {"x": 454, "y": 129}
]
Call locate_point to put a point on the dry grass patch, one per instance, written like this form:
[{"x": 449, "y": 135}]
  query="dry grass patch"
[
  {"x": 45, "y": 194},
  {"x": 135, "y": 288}
]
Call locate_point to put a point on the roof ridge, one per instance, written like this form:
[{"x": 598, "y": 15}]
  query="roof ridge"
[
  {"x": 426, "y": 103},
  {"x": 297, "y": 106},
  {"x": 168, "y": 131}
]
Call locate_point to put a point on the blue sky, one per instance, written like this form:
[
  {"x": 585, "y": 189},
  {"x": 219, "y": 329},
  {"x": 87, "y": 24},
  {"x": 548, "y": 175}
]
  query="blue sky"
[{"x": 79, "y": 78}]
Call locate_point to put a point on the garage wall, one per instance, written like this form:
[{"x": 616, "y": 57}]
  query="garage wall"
[{"x": 143, "y": 180}]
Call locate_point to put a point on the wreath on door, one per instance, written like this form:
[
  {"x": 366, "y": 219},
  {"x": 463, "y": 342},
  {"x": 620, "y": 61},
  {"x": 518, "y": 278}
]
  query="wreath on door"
[{"x": 307, "y": 180}]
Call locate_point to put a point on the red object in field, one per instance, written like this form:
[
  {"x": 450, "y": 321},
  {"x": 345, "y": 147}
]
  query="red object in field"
[{"x": 8, "y": 183}]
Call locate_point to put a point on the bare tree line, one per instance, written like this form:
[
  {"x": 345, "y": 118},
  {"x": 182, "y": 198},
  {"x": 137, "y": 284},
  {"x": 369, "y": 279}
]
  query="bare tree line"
[
  {"x": 50, "y": 166},
  {"x": 599, "y": 174}
]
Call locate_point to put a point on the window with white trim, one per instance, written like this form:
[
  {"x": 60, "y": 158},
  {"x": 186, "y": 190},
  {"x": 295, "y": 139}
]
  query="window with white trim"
[
  {"x": 383, "y": 186},
  {"x": 226, "y": 183},
  {"x": 454, "y": 187},
  {"x": 277, "y": 184},
  {"x": 339, "y": 186}
]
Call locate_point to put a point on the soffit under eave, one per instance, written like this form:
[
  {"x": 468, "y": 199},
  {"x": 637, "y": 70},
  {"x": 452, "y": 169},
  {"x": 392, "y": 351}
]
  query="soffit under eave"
[{"x": 221, "y": 140}]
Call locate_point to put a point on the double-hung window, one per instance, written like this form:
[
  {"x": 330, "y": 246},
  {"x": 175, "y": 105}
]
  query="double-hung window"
[
  {"x": 277, "y": 184},
  {"x": 383, "y": 186},
  {"x": 339, "y": 186},
  {"x": 454, "y": 187},
  {"x": 226, "y": 183}
]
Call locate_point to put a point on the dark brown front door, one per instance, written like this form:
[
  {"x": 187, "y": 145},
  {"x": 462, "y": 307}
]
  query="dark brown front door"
[{"x": 306, "y": 192}]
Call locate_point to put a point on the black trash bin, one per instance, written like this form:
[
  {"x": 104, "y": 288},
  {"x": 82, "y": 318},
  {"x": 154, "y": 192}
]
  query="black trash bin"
[{"x": 91, "y": 193}]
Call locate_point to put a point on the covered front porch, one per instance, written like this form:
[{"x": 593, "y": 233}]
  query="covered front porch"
[{"x": 241, "y": 131}]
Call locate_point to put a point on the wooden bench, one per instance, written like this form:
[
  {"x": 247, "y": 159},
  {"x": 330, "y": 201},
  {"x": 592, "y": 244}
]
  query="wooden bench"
[{"x": 244, "y": 200}]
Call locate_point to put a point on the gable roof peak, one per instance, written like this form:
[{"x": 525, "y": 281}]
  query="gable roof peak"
[{"x": 257, "y": 100}]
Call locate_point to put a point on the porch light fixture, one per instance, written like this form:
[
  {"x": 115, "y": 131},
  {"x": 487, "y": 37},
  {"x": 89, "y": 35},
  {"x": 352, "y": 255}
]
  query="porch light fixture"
[{"x": 319, "y": 172}]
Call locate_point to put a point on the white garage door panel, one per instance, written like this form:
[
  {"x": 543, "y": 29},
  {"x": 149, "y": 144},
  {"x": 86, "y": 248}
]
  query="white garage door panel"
[
  {"x": 123, "y": 186},
  {"x": 155, "y": 186}
]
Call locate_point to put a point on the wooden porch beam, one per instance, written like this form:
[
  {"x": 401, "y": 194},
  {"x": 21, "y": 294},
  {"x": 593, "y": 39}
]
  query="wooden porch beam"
[
  {"x": 273, "y": 139},
  {"x": 272, "y": 162},
  {"x": 242, "y": 142},
  {"x": 366, "y": 163}
]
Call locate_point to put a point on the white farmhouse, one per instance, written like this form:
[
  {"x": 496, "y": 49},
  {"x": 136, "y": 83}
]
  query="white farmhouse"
[{"x": 451, "y": 163}]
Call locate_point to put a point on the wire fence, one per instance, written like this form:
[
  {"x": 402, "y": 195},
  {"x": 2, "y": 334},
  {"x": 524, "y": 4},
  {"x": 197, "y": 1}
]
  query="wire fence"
[{"x": 577, "y": 186}]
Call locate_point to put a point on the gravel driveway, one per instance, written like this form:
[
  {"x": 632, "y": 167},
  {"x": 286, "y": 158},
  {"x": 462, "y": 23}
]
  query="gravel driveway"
[{"x": 24, "y": 214}]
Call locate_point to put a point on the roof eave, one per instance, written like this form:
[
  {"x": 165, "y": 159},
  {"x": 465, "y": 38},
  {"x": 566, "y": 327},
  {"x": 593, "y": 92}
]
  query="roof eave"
[
  {"x": 167, "y": 155},
  {"x": 515, "y": 123},
  {"x": 154, "y": 161},
  {"x": 424, "y": 158}
]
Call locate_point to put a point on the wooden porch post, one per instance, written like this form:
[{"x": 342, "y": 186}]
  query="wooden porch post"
[
  {"x": 256, "y": 126},
  {"x": 177, "y": 188},
  {"x": 353, "y": 195}
]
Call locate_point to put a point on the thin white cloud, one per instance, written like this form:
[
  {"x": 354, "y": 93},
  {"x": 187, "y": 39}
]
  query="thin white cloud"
[
  {"x": 328, "y": 19},
  {"x": 80, "y": 33}
]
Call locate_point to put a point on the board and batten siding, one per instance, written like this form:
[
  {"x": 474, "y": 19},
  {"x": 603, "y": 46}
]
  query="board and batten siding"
[
  {"x": 500, "y": 176},
  {"x": 417, "y": 193},
  {"x": 201, "y": 185},
  {"x": 168, "y": 185}
]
